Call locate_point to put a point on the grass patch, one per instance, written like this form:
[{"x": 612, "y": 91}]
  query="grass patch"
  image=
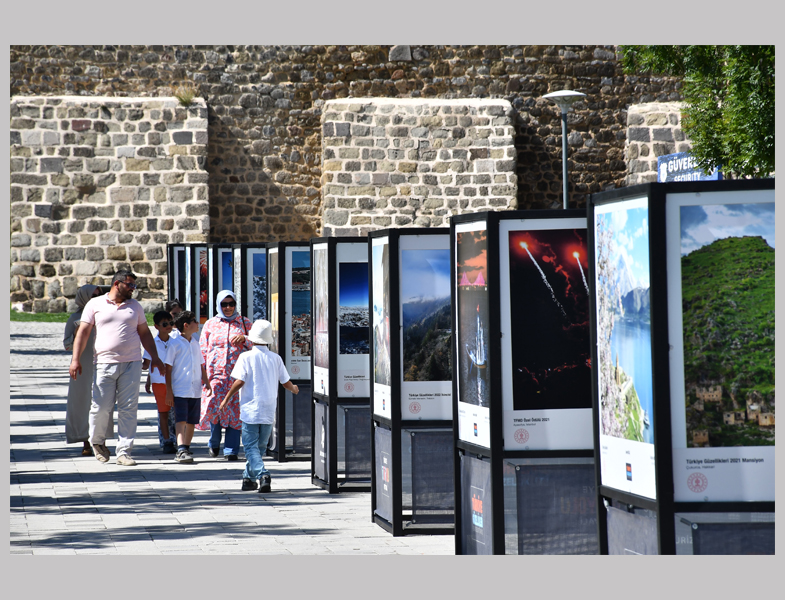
[{"x": 53, "y": 317}]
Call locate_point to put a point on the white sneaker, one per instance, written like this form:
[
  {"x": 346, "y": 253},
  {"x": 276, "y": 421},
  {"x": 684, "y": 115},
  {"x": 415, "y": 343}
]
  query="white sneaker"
[{"x": 125, "y": 460}]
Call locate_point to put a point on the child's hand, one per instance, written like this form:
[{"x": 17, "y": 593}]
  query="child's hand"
[
  {"x": 169, "y": 398},
  {"x": 209, "y": 389},
  {"x": 147, "y": 385}
]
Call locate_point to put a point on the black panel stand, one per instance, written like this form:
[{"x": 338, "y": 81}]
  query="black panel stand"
[
  {"x": 340, "y": 457},
  {"x": 630, "y": 523}
]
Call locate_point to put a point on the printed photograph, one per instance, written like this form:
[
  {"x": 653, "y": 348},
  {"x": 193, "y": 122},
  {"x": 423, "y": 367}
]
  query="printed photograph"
[
  {"x": 321, "y": 330},
  {"x": 275, "y": 304},
  {"x": 227, "y": 270},
  {"x": 237, "y": 269},
  {"x": 301, "y": 303},
  {"x": 471, "y": 250},
  {"x": 624, "y": 323},
  {"x": 259, "y": 306},
  {"x": 353, "y": 307},
  {"x": 427, "y": 326},
  {"x": 203, "y": 289},
  {"x": 549, "y": 318},
  {"x": 727, "y": 278},
  {"x": 381, "y": 314}
]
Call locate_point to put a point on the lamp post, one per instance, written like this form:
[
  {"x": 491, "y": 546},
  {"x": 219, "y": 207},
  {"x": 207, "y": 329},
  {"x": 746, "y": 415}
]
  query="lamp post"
[{"x": 564, "y": 99}]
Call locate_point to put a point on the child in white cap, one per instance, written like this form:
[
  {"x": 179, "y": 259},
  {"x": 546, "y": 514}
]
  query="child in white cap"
[{"x": 257, "y": 374}]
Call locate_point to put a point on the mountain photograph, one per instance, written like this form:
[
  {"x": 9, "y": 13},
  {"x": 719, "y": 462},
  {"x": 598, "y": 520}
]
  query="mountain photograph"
[{"x": 728, "y": 324}]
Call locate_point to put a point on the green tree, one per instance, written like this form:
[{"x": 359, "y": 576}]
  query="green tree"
[{"x": 729, "y": 97}]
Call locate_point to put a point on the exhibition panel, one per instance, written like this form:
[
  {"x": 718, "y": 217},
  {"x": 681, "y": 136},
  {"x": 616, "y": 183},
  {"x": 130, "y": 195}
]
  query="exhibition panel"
[
  {"x": 411, "y": 396},
  {"x": 683, "y": 348},
  {"x": 522, "y": 389},
  {"x": 288, "y": 278},
  {"x": 339, "y": 340}
]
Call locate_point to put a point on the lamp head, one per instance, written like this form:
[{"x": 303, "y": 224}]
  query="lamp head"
[{"x": 564, "y": 99}]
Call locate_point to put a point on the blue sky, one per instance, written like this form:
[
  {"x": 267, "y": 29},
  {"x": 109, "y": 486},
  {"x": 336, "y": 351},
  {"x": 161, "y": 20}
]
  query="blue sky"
[
  {"x": 353, "y": 284},
  {"x": 702, "y": 225},
  {"x": 260, "y": 265},
  {"x": 424, "y": 273},
  {"x": 227, "y": 268},
  {"x": 631, "y": 231},
  {"x": 301, "y": 259}
]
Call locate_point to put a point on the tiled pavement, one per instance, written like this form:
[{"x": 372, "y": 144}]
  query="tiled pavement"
[{"x": 63, "y": 503}]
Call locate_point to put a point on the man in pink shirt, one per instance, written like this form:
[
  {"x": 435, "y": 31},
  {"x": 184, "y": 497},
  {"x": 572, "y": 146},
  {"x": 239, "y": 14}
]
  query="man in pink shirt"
[{"x": 120, "y": 327}]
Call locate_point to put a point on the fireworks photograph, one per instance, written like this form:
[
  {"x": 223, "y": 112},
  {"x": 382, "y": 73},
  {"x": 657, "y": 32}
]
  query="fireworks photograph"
[
  {"x": 471, "y": 250},
  {"x": 549, "y": 315},
  {"x": 227, "y": 270}
]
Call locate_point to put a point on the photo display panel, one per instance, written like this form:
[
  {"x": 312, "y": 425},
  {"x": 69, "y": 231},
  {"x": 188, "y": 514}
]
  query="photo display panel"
[
  {"x": 321, "y": 336},
  {"x": 212, "y": 282},
  {"x": 720, "y": 255},
  {"x": 237, "y": 270},
  {"x": 624, "y": 369},
  {"x": 225, "y": 269},
  {"x": 380, "y": 301},
  {"x": 546, "y": 348},
  {"x": 273, "y": 265},
  {"x": 353, "y": 322},
  {"x": 189, "y": 281},
  {"x": 256, "y": 282},
  {"x": 472, "y": 338},
  {"x": 426, "y": 336},
  {"x": 298, "y": 311},
  {"x": 202, "y": 296},
  {"x": 180, "y": 275}
]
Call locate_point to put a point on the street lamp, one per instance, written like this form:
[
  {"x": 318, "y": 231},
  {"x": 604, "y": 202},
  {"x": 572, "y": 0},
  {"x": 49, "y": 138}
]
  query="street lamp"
[{"x": 564, "y": 99}]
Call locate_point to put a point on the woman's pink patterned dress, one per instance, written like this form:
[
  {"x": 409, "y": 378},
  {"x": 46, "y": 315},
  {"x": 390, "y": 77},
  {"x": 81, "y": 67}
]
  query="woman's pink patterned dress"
[{"x": 220, "y": 356}]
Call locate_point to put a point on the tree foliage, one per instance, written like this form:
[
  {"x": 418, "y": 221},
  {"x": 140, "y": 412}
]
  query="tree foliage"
[{"x": 729, "y": 97}]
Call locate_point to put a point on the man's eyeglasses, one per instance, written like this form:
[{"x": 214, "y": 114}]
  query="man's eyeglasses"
[{"x": 228, "y": 304}]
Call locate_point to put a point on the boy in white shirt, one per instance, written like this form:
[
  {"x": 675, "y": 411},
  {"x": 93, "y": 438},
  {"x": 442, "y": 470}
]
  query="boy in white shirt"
[
  {"x": 163, "y": 324},
  {"x": 185, "y": 373},
  {"x": 257, "y": 374}
]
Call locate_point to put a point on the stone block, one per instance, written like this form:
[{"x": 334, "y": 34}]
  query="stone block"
[
  {"x": 116, "y": 253},
  {"x": 94, "y": 254},
  {"x": 31, "y": 255},
  {"x": 74, "y": 254},
  {"x": 137, "y": 164},
  {"x": 400, "y": 53},
  {"x": 85, "y": 268}
]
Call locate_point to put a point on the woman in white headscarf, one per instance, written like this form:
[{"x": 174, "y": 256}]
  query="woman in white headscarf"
[
  {"x": 80, "y": 390},
  {"x": 222, "y": 340}
]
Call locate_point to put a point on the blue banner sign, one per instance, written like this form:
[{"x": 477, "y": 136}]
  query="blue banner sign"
[{"x": 681, "y": 167}]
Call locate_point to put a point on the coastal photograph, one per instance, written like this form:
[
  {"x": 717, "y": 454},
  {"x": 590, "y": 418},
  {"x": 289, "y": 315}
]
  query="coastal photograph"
[
  {"x": 301, "y": 303},
  {"x": 275, "y": 305},
  {"x": 425, "y": 299},
  {"x": 727, "y": 287},
  {"x": 321, "y": 350},
  {"x": 471, "y": 251},
  {"x": 353, "y": 308},
  {"x": 259, "y": 265},
  {"x": 624, "y": 321},
  {"x": 381, "y": 314},
  {"x": 549, "y": 314}
]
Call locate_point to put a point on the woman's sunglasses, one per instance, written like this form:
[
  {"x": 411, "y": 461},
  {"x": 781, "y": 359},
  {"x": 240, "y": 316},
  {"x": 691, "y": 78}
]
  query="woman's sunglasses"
[
  {"x": 166, "y": 323},
  {"x": 228, "y": 304}
]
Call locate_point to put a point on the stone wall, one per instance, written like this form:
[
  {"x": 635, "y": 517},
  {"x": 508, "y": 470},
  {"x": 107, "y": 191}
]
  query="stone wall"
[
  {"x": 653, "y": 129},
  {"x": 393, "y": 163},
  {"x": 265, "y": 105},
  {"x": 99, "y": 184}
]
